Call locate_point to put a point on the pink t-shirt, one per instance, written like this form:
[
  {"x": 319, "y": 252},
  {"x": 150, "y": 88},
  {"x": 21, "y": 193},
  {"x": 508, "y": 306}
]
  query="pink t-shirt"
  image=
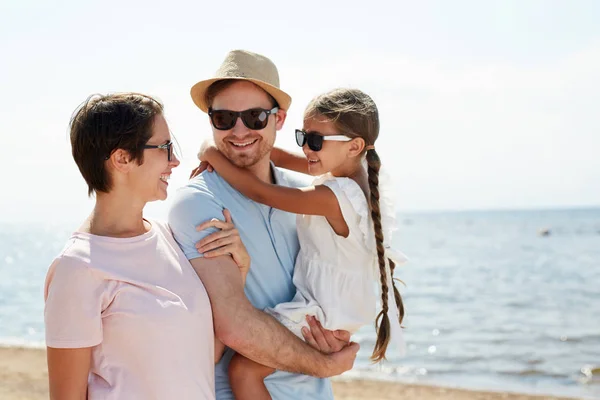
[{"x": 140, "y": 305}]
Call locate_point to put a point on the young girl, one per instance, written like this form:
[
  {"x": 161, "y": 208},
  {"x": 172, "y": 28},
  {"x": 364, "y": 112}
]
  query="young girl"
[{"x": 342, "y": 251}]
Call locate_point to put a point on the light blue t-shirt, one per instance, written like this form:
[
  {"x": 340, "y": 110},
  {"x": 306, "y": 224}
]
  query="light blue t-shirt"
[{"x": 272, "y": 242}]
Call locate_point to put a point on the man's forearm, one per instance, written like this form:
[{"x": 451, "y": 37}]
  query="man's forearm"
[
  {"x": 264, "y": 340},
  {"x": 251, "y": 332}
]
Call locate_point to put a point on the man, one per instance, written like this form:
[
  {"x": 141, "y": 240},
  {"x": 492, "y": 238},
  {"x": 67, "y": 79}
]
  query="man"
[{"x": 250, "y": 82}]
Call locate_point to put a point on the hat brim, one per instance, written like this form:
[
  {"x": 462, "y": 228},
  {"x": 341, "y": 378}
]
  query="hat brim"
[{"x": 198, "y": 92}]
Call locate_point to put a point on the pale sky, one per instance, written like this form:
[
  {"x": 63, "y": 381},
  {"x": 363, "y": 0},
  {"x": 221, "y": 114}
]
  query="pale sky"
[{"x": 484, "y": 104}]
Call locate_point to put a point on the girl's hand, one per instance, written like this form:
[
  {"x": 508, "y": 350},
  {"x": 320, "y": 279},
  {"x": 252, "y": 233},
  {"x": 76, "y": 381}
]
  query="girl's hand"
[
  {"x": 206, "y": 147},
  {"x": 226, "y": 241},
  {"x": 324, "y": 340},
  {"x": 201, "y": 168}
]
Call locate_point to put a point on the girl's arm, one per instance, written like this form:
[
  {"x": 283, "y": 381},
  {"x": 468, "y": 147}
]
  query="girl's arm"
[
  {"x": 68, "y": 371},
  {"x": 292, "y": 161},
  {"x": 313, "y": 200}
]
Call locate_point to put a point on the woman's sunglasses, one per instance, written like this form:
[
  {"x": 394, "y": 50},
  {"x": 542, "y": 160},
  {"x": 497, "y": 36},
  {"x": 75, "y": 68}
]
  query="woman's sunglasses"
[
  {"x": 254, "y": 118},
  {"x": 167, "y": 146},
  {"x": 315, "y": 141}
]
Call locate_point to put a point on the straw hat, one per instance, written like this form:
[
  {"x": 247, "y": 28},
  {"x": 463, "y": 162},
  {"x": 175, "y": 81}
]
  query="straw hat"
[{"x": 244, "y": 65}]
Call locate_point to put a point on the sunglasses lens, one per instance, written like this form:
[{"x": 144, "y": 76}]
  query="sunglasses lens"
[
  {"x": 300, "y": 138},
  {"x": 315, "y": 142},
  {"x": 223, "y": 119},
  {"x": 255, "y": 119}
]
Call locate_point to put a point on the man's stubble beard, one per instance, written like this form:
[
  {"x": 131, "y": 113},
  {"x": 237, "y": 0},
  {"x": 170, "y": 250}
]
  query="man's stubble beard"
[{"x": 248, "y": 160}]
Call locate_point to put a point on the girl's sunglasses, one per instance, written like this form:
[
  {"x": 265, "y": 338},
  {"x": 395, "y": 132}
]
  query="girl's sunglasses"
[
  {"x": 254, "y": 118},
  {"x": 315, "y": 141}
]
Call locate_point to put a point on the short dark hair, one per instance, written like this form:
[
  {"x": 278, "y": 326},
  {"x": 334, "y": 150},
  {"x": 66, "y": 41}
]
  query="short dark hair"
[
  {"x": 105, "y": 123},
  {"x": 217, "y": 87}
]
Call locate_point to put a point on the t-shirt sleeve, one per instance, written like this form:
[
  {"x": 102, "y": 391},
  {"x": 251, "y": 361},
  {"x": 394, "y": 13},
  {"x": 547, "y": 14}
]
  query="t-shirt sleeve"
[
  {"x": 190, "y": 208},
  {"x": 73, "y": 308}
]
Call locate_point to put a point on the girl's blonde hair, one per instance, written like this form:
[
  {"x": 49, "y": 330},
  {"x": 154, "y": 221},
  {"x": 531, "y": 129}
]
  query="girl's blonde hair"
[{"x": 355, "y": 114}]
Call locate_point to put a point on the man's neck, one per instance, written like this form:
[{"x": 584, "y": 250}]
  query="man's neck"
[{"x": 262, "y": 170}]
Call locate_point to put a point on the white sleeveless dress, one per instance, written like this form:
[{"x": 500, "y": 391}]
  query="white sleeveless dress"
[{"x": 338, "y": 279}]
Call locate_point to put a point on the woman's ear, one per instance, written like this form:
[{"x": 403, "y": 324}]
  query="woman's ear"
[
  {"x": 356, "y": 147},
  {"x": 121, "y": 161}
]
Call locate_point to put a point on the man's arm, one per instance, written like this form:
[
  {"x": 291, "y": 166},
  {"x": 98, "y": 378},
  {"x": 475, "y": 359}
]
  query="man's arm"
[
  {"x": 257, "y": 335},
  {"x": 236, "y": 322}
]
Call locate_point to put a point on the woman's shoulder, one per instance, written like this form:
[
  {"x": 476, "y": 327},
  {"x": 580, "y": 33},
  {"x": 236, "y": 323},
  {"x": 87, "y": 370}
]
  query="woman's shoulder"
[
  {"x": 76, "y": 251},
  {"x": 73, "y": 263}
]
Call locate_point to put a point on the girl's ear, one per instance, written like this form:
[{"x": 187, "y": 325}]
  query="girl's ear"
[{"x": 356, "y": 147}]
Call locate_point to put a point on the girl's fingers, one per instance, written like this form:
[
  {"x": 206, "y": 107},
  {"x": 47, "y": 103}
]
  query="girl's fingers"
[
  {"x": 309, "y": 338},
  {"x": 199, "y": 169},
  {"x": 316, "y": 330}
]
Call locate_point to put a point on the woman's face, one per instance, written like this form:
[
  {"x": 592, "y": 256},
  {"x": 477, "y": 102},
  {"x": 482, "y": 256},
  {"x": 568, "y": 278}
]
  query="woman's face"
[{"x": 150, "y": 180}]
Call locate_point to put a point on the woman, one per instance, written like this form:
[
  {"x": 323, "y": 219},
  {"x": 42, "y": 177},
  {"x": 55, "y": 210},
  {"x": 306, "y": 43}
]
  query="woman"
[{"x": 126, "y": 315}]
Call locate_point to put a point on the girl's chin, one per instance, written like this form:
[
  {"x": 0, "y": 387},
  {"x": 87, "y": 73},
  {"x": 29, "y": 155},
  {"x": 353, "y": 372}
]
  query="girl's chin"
[{"x": 315, "y": 169}]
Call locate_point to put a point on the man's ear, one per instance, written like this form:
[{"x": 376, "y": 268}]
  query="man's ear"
[
  {"x": 280, "y": 119},
  {"x": 356, "y": 147},
  {"x": 120, "y": 160}
]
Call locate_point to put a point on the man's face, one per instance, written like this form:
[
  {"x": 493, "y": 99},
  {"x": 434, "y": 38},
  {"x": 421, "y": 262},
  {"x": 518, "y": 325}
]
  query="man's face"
[{"x": 242, "y": 146}]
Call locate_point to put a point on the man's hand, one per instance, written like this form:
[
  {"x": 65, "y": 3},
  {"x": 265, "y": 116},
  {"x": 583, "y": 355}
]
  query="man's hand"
[
  {"x": 341, "y": 361},
  {"x": 340, "y": 351},
  {"x": 324, "y": 340}
]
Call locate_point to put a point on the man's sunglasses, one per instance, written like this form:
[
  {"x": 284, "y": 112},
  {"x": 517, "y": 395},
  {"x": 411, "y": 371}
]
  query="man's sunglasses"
[
  {"x": 315, "y": 141},
  {"x": 254, "y": 118}
]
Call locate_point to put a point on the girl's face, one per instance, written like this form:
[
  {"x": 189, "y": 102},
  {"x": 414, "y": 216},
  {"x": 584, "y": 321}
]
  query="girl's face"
[{"x": 333, "y": 155}]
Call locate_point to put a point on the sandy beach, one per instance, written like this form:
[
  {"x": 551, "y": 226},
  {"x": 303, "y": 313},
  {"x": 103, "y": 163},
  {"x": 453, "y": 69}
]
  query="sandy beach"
[{"x": 23, "y": 376}]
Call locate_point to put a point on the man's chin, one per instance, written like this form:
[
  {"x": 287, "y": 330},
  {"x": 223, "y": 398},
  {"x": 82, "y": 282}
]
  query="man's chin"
[
  {"x": 242, "y": 161},
  {"x": 245, "y": 160}
]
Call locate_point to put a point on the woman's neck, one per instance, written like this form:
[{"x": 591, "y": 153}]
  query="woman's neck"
[{"x": 116, "y": 215}]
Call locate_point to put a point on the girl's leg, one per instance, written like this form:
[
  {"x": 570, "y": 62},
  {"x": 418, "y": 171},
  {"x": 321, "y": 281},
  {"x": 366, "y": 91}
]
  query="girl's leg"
[{"x": 247, "y": 379}]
